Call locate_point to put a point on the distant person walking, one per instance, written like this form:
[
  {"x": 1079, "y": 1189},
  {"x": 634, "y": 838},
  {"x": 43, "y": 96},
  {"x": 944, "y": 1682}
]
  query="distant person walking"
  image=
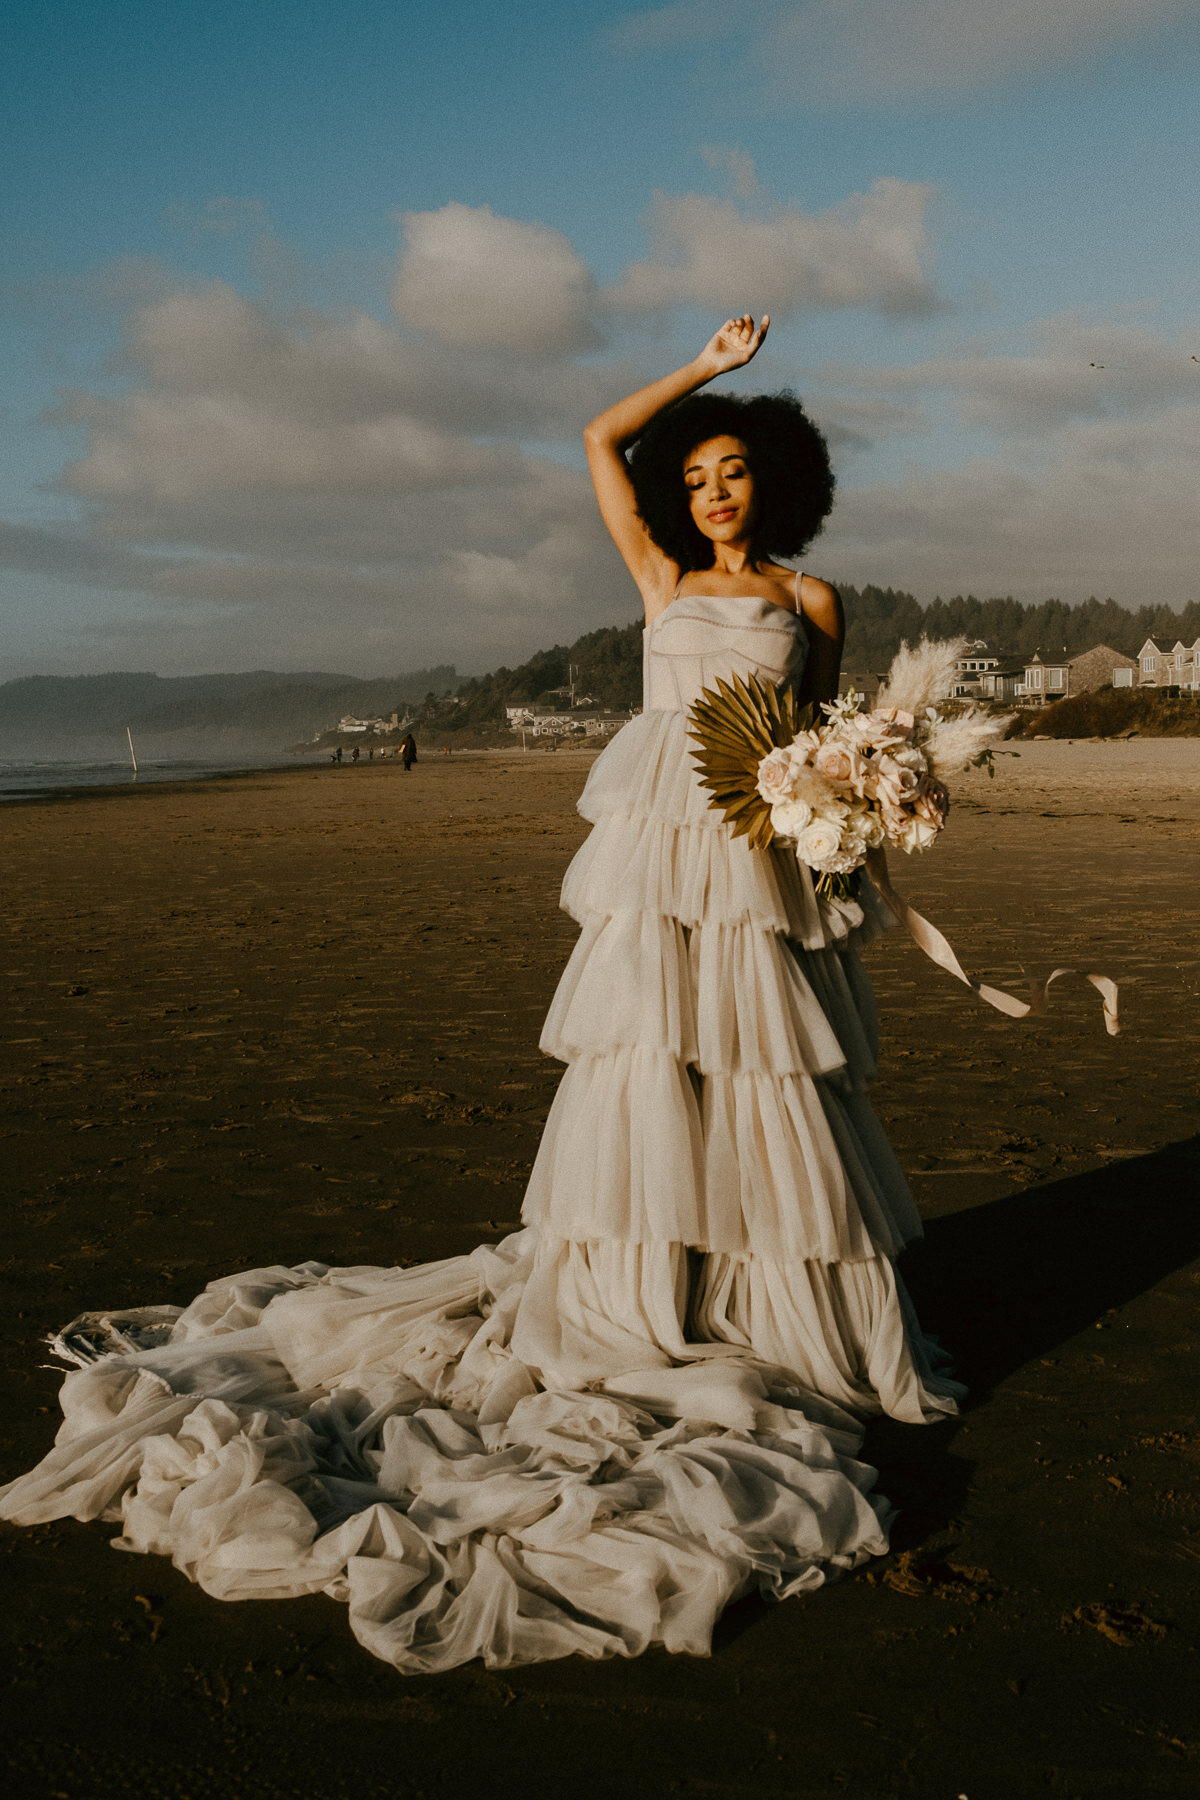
[{"x": 408, "y": 752}]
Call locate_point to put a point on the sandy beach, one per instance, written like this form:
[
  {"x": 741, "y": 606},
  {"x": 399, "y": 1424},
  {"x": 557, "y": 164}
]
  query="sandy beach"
[{"x": 295, "y": 1016}]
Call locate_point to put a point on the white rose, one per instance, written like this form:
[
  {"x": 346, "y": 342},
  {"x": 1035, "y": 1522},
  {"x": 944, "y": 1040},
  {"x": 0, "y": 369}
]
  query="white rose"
[
  {"x": 775, "y": 776},
  {"x": 801, "y": 750},
  {"x": 789, "y": 817},
  {"x": 913, "y": 833},
  {"x": 818, "y": 843},
  {"x": 873, "y": 831}
]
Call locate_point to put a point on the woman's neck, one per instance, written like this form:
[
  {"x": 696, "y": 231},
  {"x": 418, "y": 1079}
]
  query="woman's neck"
[{"x": 733, "y": 559}]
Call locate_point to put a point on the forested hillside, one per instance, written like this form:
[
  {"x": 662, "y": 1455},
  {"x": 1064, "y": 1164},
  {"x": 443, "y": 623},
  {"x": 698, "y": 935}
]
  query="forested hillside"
[
  {"x": 878, "y": 618},
  {"x": 608, "y": 662}
]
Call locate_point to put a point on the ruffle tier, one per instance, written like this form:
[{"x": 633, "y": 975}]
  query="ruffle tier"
[
  {"x": 594, "y": 1311},
  {"x": 715, "y": 1066},
  {"x": 372, "y": 1434},
  {"x": 728, "y": 998},
  {"x": 779, "y": 1166},
  {"x": 659, "y": 846}
]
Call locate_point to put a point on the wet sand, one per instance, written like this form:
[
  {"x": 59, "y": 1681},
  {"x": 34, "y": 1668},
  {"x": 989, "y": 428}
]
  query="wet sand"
[{"x": 295, "y": 1016}]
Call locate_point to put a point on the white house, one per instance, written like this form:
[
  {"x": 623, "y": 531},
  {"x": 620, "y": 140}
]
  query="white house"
[
  {"x": 1178, "y": 667},
  {"x": 970, "y": 670}
]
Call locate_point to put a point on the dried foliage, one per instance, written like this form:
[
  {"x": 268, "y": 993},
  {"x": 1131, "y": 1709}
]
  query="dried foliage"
[{"x": 735, "y": 725}]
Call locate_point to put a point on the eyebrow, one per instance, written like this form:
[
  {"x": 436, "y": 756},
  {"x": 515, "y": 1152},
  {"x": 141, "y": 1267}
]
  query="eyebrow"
[{"x": 698, "y": 468}]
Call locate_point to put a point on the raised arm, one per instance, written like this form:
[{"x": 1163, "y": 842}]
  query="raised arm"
[{"x": 609, "y": 435}]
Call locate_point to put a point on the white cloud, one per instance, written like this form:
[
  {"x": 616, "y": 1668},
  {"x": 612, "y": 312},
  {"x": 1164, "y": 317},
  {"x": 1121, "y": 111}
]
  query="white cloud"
[
  {"x": 862, "y": 51},
  {"x": 357, "y": 494},
  {"x": 478, "y": 281},
  {"x": 1107, "y": 508},
  {"x": 1073, "y": 368},
  {"x": 1088, "y": 486},
  {"x": 329, "y": 479},
  {"x": 871, "y": 250}
]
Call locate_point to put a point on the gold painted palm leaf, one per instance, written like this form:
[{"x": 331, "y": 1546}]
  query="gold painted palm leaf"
[{"x": 735, "y": 724}]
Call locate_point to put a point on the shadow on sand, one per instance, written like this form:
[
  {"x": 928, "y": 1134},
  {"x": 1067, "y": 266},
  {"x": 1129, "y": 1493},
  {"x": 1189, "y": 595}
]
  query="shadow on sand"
[{"x": 1009, "y": 1281}]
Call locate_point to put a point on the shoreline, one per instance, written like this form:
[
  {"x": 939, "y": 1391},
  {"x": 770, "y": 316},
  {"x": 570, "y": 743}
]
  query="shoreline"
[{"x": 132, "y": 786}]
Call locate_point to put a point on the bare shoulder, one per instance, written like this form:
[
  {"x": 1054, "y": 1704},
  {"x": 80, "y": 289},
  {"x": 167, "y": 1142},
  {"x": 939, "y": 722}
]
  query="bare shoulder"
[{"x": 820, "y": 602}]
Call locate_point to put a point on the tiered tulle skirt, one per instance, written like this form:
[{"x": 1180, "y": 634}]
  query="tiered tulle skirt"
[
  {"x": 594, "y": 1435},
  {"x": 719, "y": 1035}
]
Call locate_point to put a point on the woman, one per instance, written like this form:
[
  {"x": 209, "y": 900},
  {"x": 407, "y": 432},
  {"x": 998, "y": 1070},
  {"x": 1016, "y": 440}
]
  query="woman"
[{"x": 595, "y": 1434}]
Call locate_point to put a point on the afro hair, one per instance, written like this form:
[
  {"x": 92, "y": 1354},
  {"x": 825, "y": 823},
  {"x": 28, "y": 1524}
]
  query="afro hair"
[{"x": 788, "y": 459}]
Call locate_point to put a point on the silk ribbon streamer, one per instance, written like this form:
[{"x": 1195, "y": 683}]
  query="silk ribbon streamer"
[{"x": 928, "y": 938}]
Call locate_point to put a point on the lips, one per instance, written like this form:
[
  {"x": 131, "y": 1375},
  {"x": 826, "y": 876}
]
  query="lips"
[{"x": 719, "y": 517}]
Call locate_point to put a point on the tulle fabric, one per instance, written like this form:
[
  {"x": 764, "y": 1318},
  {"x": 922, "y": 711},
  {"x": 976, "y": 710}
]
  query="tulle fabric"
[
  {"x": 371, "y": 1435},
  {"x": 593, "y": 1436}
]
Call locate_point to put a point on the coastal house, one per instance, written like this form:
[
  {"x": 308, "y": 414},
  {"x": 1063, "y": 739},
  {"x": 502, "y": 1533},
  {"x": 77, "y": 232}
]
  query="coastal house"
[
  {"x": 1001, "y": 682},
  {"x": 1101, "y": 667},
  {"x": 1043, "y": 682},
  {"x": 970, "y": 671},
  {"x": 860, "y": 682},
  {"x": 557, "y": 725},
  {"x": 983, "y": 674},
  {"x": 1154, "y": 662},
  {"x": 1187, "y": 665},
  {"x": 1177, "y": 667}
]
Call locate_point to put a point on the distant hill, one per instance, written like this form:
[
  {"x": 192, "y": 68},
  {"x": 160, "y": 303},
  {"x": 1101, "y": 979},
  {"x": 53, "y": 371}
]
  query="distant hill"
[
  {"x": 261, "y": 711},
  {"x": 608, "y": 662}
]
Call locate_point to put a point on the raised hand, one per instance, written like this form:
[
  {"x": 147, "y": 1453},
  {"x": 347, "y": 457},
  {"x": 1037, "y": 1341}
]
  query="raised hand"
[{"x": 735, "y": 343}]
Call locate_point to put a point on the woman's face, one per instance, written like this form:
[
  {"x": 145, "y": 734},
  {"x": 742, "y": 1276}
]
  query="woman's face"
[{"x": 721, "y": 490}]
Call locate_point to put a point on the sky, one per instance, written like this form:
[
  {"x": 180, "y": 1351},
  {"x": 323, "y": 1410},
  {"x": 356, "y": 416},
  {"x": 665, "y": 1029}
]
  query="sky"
[{"x": 304, "y": 304}]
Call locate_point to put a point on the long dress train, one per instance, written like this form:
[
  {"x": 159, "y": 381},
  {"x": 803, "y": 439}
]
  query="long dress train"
[{"x": 594, "y": 1435}]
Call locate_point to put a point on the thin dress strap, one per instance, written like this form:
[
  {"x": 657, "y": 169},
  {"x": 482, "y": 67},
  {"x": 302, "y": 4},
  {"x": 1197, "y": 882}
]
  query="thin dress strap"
[{"x": 799, "y": 579}]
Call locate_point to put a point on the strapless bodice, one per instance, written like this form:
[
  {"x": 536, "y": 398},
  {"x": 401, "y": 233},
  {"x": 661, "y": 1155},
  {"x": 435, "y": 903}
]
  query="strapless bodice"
[{"x": 702, "y": 636}]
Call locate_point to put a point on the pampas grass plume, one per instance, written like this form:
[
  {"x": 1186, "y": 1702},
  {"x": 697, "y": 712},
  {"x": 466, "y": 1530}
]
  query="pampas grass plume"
[
  {"x": 921, "y": 676},
  {"x": 953, "y": 743}
]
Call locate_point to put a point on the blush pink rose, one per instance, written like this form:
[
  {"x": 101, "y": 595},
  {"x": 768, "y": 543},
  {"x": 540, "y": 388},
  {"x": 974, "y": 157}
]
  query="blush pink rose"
[
  {"x": 775, "y": 776},
  {"x": 886, "y": 725}
]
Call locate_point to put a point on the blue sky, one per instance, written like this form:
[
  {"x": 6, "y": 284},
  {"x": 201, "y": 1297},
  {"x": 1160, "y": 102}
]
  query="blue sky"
[{"x": 305, "y": 305}]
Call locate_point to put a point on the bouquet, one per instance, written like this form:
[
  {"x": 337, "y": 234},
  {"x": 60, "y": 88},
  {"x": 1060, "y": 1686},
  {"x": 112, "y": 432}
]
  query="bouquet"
[
  {"x": 846, "y": 781},
  {"x": 841, "y": 783}
]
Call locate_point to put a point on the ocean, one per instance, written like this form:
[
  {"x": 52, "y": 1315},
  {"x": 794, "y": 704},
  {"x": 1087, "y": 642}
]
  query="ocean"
[{"x": 38, "y": 780}]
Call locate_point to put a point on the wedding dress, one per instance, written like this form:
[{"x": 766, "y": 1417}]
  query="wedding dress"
[{"x": 594, "y": 1435}]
